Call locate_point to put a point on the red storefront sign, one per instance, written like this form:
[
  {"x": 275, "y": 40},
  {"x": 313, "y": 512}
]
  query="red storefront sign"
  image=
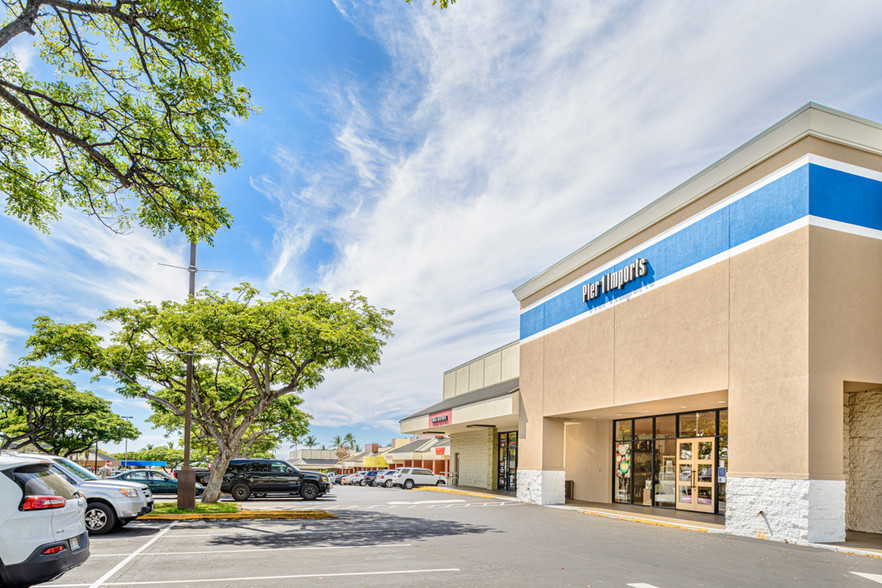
[
  {"x": 441, "y": 418},
  {"x": 439, "y": 451}
]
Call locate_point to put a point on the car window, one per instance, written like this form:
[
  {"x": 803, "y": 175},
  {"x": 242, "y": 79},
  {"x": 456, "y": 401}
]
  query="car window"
[
  {"x": 137, "y": 476},
  {"x": 62, "y": 473},
  {"x": 279, "y": 467},
  {"x": 425, "y": 472},
  {"x": 37, "y": 480},
  {"x": 260, "y": 466}
]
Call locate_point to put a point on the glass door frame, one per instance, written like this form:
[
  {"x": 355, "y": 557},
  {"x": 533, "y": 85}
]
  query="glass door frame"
[
  {"x": 692, "y": 480},
  {"x": 505, "y": 464}
]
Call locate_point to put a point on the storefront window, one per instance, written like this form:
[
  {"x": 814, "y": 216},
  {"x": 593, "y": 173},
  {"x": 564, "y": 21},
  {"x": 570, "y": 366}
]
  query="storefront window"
[
  {"x": 666, "y": 427},
  {"x": 698, "y": 424},
  {"x": 643, "y": 428},
  {"x": 642, "y": 471},
  {"x": 623, "y": 430},
  {"x": 665, "y": 474},
  {"x": 724, "y": 422},
  {"x": 623, "y": 472},
  {"x": 722, "y": 468}
]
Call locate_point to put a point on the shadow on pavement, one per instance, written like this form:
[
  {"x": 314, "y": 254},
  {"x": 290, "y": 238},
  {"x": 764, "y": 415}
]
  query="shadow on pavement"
[{"x": 358, "y": 528}]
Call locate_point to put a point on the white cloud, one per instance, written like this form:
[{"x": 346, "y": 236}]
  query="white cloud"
[{"x": 537, "y": 127}]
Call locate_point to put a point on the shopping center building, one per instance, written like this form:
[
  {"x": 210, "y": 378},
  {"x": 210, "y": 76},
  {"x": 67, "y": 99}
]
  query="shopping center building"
[
  {"x": 479, "y": 412},
  {"x": 720, "y": 350}
]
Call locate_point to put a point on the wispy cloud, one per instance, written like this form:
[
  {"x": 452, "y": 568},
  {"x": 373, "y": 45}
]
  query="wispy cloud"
[{"x": 507, "y": 137}]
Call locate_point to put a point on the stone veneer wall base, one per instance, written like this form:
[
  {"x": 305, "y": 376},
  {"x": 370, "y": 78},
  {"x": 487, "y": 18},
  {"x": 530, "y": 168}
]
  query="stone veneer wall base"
[
  {"x": 793, "y": 511},
  {"x": 541, "y": 486}
]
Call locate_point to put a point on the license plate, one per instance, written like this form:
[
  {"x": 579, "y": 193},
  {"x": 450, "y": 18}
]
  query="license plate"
[{"x": 74, "y": 543}]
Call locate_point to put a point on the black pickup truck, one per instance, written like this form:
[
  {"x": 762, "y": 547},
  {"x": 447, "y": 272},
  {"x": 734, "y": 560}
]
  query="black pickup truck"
[{"x": 261, "y": 477}]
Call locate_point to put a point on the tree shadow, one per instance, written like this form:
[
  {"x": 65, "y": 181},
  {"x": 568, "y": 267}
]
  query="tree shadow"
[{"x": 356, "y": 528}]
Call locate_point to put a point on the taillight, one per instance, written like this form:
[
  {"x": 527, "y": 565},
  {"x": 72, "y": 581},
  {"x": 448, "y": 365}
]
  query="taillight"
[
  {"x": 43, "y": 502},
  {"x": 52, "y": 550}
]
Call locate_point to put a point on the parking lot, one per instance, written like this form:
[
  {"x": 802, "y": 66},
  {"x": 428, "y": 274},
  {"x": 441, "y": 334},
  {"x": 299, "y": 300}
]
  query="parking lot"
[{"x": 424, "y": 538}]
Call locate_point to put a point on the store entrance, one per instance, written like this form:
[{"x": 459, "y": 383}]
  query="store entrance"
[
  {"x": 508, "y": 461},
  {"x": 695, "y": 474}
]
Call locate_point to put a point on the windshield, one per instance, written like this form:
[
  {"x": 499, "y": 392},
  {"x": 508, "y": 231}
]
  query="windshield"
[{"x": 75, "y": 470}]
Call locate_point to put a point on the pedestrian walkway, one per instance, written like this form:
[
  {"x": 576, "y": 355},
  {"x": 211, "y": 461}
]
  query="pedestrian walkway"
[{"x": 869, "y": 544}]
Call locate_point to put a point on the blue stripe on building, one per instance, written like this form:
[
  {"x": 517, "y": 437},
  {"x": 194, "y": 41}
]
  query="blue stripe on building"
[{"x": 809, "y": 190}]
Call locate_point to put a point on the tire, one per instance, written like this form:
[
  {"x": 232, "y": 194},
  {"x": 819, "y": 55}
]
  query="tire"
[
  {"x": 100, "y": 518},
  {"x": 120, "y": 523},
  {"x": 240, "y": 492},
  {"x": 439, "y": 483},
  {"x": 408, "y": 484},
  {"x": 309, "y": 492},
  {"x": 388, "y": 484}
]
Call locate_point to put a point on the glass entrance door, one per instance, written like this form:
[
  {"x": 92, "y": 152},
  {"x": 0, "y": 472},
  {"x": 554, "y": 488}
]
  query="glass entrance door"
[
  {"x": 508, "y": 461},
  {"x": 695, "y": 474}
]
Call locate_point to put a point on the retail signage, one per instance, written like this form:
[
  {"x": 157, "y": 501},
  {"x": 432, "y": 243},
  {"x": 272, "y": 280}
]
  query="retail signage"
[
  {"x": 439, "y": 451},
  {"x": 441, "y": 418},
  {"x": 617, "y": 279}
]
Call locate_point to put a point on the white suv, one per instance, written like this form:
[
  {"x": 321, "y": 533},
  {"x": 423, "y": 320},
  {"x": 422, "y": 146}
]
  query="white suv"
[
  {"x": 407, "y": 478},
  {"x": 42, "y": 530}
]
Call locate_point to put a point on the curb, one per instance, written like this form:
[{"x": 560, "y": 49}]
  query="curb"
[{"x": 244, "y": 514}]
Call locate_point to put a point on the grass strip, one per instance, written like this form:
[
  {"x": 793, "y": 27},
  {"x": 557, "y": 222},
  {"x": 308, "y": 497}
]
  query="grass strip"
[{"x": 172, "y": 508}]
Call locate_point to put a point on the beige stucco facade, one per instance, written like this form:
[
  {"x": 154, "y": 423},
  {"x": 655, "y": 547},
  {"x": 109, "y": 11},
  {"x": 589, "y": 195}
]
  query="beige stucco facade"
[{"x": 780, "y": 329}]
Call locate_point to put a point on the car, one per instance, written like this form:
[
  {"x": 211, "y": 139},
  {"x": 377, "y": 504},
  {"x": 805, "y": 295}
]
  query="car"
[
  {"x": 42, "y": 528},
  {"x": 111, "y": 504},
  {"x": 368, "y": 478},
  {"x": 246, "y": 477},
  {"x": 356, "y": 478},
  {"x": 158, "y": 482},
  {"x": 384, "y": 478},
  {"x": 347, "y": 479},
  {"x": 407, "y": 478}
]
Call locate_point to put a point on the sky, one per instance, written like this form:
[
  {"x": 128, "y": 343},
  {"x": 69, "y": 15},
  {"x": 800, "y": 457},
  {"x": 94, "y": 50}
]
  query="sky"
[{"x": 435, "y": 160}]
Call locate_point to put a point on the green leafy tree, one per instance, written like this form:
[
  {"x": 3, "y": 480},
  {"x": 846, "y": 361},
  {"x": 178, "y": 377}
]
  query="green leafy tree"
[
  {"x": 310, "y": 441},
  {"x": 250, "y": 353},
  {"x": 37, "y": 407},
  {"x": 125, "y": 117},
  {"x": 281, "y": 421}
]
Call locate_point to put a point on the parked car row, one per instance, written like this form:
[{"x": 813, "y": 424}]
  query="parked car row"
[{"x": 406, "y": 478}]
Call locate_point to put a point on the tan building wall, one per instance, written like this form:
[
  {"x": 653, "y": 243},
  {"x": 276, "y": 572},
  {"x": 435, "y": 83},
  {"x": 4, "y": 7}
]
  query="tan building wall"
[
  {"x": 477, "y": 457},
  {"x": 497, "y": 366}
]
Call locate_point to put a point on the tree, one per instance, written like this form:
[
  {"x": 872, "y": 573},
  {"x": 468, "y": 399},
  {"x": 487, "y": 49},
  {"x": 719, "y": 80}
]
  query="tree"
[
  {"x": 126, "y": 117},
  {"x": 337, "y": 441},
  {"x": 442, "y": 3},
  {"x": 310, "y": 441},
  {"x": 38, "y": 407},
  {"x": 349, "y": 441},
  {"x": 250, "y": 352},
  {"x": 281, "y": 421}
]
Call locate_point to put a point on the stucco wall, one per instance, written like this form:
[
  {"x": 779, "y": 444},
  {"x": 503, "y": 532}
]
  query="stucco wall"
[
  {"x": 863, "y": 414},
  {"x": 588, "y": 460},
  {"x": 477, "y": 457}
]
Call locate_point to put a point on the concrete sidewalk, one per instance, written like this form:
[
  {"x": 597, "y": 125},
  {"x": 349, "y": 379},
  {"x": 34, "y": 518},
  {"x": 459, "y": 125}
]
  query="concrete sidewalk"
[{"x": 866, "y": 544}]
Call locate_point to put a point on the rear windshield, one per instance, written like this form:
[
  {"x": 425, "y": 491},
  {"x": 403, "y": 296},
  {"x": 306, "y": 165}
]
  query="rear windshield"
[{"x": 37, "y": 480}]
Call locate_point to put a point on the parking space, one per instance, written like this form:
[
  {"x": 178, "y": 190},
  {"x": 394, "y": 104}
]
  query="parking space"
[{"x": 431, "y": 539}]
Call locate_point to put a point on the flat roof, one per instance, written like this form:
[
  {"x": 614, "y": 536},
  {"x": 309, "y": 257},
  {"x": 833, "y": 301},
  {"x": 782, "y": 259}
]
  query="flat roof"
[{"x": 810, "y": 120}]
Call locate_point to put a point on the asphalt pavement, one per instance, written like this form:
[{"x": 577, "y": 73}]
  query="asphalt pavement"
[{"x": 390, "y": 537}]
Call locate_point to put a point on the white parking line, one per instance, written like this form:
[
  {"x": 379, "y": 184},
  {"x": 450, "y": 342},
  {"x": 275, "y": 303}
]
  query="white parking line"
[
  {"x": 253, "y": 578},
  {"x": 873, "y": 577},
  {"x": 134, "y": 554},
  {"x": 257, "y": 549},
  {"x": 642, "y": 586}
]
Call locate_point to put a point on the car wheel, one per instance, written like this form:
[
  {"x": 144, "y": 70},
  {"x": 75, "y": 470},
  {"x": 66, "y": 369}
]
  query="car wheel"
[
  {"x": 408, "y": 484},
  {"x": 309, "y": 492},
  {"x": 388, "y": 484},
  {"x": 240, "y": 492},
  {"x": 100, "y": 518},
  {"x": 439, "y": 482}
]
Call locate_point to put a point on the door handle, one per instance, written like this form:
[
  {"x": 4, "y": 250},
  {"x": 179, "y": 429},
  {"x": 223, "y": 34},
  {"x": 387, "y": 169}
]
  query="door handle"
[{"x": 694, "y": 478}]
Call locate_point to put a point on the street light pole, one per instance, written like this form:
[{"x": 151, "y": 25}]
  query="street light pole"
[{"x": 187, "y": 477}]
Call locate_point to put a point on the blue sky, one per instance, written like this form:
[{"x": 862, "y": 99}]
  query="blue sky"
[{"x": 436, "y": 160}]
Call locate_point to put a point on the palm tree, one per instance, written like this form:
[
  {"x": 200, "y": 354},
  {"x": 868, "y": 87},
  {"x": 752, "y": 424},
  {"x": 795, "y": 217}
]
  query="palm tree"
[
  {"x": 349, "y": 440},
  {"x": 337, "y": 441},
  {"x": 310, "y": 441}
]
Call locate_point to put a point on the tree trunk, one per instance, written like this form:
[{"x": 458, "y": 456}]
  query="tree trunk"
[{"x": 218, "y": 469}]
